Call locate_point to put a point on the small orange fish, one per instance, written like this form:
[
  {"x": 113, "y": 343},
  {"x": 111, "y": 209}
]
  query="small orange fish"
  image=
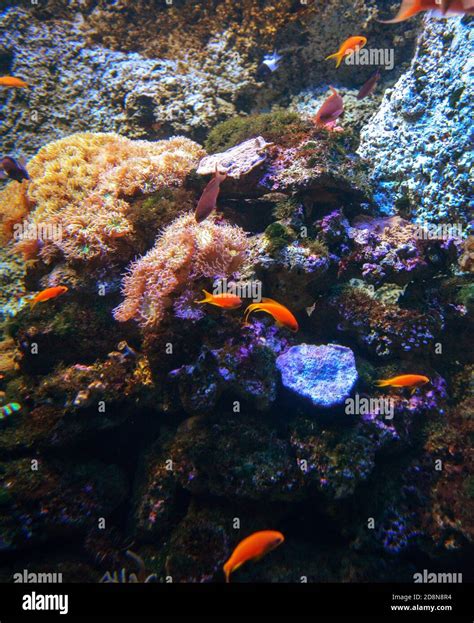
[
  {"x": 404, "y": 380},
  {"x": 225, "y": 300},
  {"x": 447, "y": 8},
  {"x": 253, "y": 547},
  {"x": 49, "y": 293},
  {"x": 282, "y": 315},
  {"x": 347, "y": 48},
  {"x": 207, "y": 203},
  {"x": 11, "y": 81}
]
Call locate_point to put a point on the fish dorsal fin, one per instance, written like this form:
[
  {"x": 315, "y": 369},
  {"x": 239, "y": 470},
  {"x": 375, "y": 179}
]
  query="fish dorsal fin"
[{"x": 270, "y": 301}]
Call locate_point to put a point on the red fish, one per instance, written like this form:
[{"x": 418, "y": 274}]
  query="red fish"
[
  {"x": 449, "y": 8},
  {"x": 225, "y": 300},
  {"x": 330, "y": 111},
  {"x": 207, "y": 202},
  {"x": 253, "y": 547},
  {"x": 49, "y": 293},
  {"x": 369, "y": 87}
]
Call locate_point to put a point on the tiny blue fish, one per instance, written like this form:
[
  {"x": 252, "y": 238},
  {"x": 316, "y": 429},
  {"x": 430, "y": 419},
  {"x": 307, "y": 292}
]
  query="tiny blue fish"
[
  {"x": 272, "y": 61},
  {"x": 9, "y": 409}
]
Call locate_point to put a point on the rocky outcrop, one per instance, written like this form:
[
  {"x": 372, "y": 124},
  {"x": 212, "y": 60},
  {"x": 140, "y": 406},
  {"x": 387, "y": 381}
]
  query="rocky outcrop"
[{"x": 417, "y": 145}]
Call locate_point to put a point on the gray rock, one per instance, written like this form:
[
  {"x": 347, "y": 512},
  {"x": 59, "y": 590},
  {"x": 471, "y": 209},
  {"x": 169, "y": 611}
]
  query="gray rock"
[{"x": 238, "y": 160}]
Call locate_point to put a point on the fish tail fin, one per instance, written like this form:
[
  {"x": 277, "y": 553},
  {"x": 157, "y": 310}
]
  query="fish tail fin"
[
  {"x": 207, "y": 297},
  {"x": 227, "y": 571},
  {"x": 32, "y": 303},
  {"x": 381, "y": 383},
  {"x": 408, "y": 9},
  {"x": 336, "y": 55}
]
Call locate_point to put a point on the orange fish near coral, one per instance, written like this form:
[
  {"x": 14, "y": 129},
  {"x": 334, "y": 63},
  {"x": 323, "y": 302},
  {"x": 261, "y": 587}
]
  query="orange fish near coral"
[
  {"x": 349, "y": 46},
  {"x": 330, "y": 111},
  {"x": 253, "y": 547},
  {"x": 207, "y": 202},
  {"x": 404, "y": 380},
  {"x": 282, "y": 315},
  {"x": 12, "y": 82},
  {"x": 49, "y": 293},
  {"x": 225, "y": 300},
  {"x": 447, "y": 8}
]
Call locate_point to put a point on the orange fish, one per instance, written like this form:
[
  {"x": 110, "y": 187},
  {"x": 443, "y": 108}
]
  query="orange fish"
[
  {"x": 447, "y": 8},
  {"x": 330, "y": 111},
  {"x": 282, "y": 315},
  {"x": 404, "y": 380},
  {"x": 347, "y": 48},
  {"x": 49, "y": 293},
  {"x": 10, "y": 81},
  {"x": 207, "y": 202},
  {"x": 225, "y": 300},
  {"x": 253, "y": 547}
]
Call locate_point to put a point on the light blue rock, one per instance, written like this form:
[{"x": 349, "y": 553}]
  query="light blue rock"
[
  {"x": 324, "y": 374},
  {"x": 417, "y": 147}
]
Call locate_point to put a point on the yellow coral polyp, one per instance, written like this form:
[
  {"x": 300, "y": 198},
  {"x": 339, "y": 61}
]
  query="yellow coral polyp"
[{"x": 84, "y": 184}]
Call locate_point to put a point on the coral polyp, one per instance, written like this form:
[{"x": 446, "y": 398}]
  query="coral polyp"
[
  {"x": 185, "y": 252},
  {"x": 81, "y": 191}
]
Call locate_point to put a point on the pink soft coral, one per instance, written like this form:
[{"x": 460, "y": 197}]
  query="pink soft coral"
[{"x": 185, "y": 252}]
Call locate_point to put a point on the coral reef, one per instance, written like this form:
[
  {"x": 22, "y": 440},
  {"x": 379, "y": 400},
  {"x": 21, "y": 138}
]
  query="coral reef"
[
  {"x": 194, "y": 65},
  {"x": 246, "y": 371},
  {"x": 12, "y": 286},
  {"x": 396, "y": 251},
  {"x": 280, "y": 125},
  {"x": 55, "y": 500},
  {"x": 81, "y": 190},
  {"x": 183, "y": 427},
  {"x": 382, "y": 328}
]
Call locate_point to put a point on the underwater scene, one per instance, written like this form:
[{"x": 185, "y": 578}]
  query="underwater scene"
[{"x": 236, "y": 291}]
